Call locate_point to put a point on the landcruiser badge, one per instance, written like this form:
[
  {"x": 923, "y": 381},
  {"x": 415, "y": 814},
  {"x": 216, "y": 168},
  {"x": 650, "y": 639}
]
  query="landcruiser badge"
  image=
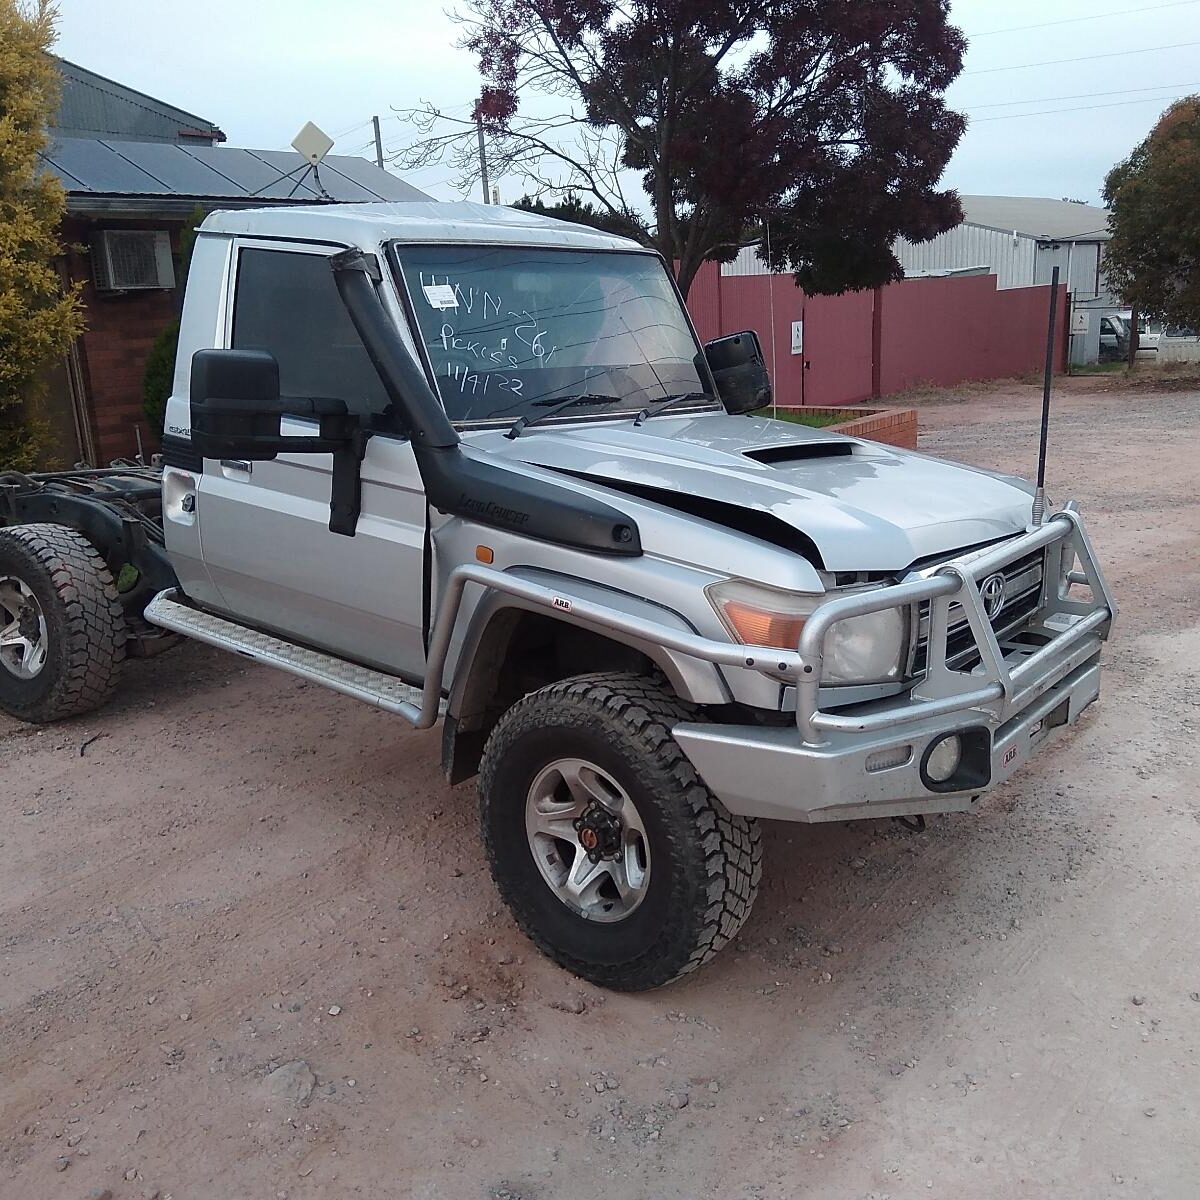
[{"x": 991, "y": 591}]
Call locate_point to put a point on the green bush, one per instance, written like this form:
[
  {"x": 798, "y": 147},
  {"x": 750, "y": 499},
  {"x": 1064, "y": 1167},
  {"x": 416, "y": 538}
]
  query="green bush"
[
  {"x": 159, "y": 376},
  {"x": 38, "y": 319}
]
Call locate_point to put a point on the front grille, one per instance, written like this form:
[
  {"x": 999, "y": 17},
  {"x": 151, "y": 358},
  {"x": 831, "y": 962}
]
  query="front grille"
[{"x": 1023, "y": 591}]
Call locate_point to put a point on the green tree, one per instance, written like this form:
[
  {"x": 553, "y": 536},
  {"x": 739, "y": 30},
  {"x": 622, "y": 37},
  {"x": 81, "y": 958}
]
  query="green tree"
[
  {"x": 1153, "y": 259},
  {"x": 38, "y": 319},
  {"x": 159, "y": 375},
  {"x": 571, "y": 208}
]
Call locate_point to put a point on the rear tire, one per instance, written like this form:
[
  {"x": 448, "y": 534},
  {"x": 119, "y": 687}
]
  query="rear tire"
[
  {"x": 590, "y": 763},
  {"x": 62, "y": 628}
]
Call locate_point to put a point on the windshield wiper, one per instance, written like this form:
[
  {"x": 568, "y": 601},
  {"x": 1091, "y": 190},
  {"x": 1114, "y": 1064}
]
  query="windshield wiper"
[
  {"x": 553, "y": 408},
  {"x": 653, "y": 410}
]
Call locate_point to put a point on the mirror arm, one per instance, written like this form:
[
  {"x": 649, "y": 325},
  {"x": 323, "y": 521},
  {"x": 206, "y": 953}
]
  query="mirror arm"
[{"x": 345, "y": 497}]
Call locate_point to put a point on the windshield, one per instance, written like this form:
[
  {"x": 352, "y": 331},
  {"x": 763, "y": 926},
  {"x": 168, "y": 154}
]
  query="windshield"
[{"x": 511, "y": 329}]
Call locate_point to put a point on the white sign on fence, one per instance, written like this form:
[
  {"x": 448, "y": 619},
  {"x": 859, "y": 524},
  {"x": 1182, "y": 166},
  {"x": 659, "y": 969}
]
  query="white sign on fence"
[
  {"x": 797, "y": 337},
  {"x": 1081, "y": 321}
]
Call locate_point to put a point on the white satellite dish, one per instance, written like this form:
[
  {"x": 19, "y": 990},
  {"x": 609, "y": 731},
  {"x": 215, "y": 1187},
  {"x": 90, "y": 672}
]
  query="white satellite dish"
[{"x": 312, "y": 143}]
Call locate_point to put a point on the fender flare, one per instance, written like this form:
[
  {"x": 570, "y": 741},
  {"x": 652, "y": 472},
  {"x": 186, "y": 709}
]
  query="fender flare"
[{"x": 691, "y": 679}]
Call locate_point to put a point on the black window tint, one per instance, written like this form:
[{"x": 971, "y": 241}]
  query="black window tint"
[{"x": 287, "y": 303}]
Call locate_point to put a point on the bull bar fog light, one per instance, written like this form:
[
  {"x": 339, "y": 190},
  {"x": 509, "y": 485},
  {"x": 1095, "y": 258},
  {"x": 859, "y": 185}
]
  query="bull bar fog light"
[{"x": 942, "y": 759}]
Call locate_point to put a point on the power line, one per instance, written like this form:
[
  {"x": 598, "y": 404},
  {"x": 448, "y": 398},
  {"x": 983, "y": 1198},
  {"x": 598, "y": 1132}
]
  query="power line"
[
  {"x": 1120, "y": 12},
  {"x": 1055, "y": 62},
  {"x": 1081, "y": 108},
  {"x": 352, "y": 129},
  {"x": 1079, "y": 96}
]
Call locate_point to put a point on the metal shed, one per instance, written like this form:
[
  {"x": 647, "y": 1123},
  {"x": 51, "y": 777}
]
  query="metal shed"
[{"x": 1020, "y": 240}]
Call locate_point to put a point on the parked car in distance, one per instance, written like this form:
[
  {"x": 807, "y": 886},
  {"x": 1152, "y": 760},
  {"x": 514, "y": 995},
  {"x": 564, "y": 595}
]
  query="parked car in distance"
[
  {"x": 1114, "y": 338},
  {"x": 1149, "y": 330}
]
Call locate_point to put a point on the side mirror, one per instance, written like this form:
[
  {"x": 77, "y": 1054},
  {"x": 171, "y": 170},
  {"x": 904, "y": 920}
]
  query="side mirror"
[
  {"x": 740, "y": 371},
  {"x": 236, "y": 409}
]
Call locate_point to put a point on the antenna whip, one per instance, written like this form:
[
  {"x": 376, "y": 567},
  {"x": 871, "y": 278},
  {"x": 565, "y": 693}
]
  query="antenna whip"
[{"x": 1039, "y": 496}]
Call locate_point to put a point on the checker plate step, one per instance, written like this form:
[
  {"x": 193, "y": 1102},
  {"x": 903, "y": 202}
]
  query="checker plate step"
[{"x": 373, "y": 687}]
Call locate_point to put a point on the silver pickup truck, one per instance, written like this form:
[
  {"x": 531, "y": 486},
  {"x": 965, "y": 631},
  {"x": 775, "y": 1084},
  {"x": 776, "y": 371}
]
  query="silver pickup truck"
[{"x": 470, "y": 464}]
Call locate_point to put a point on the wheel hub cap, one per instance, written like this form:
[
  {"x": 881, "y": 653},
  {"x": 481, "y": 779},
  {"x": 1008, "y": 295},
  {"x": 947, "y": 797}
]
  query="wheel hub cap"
[
  {"x": 588, "y": 840},
  {"x": 599, "y": 833},
  {"x": 23, "y": 640}
]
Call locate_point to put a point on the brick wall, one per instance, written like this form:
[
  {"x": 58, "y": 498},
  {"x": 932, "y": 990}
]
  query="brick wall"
[
  {"x": 894, "y": 426},
  {"x": 120, "y": 331}
]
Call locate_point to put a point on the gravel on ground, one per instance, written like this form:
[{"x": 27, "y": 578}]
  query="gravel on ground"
[{"x": 251, "y": 949}]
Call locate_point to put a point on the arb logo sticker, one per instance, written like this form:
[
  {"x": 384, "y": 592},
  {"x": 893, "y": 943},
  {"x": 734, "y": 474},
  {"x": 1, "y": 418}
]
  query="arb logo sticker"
[{"x": 560, "y": 602}]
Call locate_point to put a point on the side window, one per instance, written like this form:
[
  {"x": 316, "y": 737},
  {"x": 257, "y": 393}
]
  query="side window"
[{"x": 287, "y": 304}]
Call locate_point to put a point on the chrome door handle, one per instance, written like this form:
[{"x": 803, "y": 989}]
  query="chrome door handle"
[{"x": 237, "y": 464}]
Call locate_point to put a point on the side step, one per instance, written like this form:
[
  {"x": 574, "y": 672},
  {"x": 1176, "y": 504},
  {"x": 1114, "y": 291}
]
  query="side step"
[{"x": 373, "y": 687}]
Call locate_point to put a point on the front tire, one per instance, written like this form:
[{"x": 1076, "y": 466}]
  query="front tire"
[
  {"x": 660, "y": 875},
  {"x": 62, "y": 628}
]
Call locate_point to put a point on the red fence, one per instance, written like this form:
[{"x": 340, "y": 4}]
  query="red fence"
[{"x": 868, "y": 344}]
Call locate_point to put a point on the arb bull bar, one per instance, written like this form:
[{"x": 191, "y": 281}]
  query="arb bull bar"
[
  {"x": 1007, "y": 678},
  {"x": 874, "y": 759}
]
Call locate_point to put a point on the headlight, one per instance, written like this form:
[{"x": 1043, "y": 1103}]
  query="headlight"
[{"x": 866, "y": 649}]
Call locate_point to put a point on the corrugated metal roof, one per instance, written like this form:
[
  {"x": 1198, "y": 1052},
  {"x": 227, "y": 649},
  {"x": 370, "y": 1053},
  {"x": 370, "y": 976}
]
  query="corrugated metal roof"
[
  {"x": 1038, "y": 217},
  {"x": 93, "y": 106},
  {"x": 106, "y": 175}
]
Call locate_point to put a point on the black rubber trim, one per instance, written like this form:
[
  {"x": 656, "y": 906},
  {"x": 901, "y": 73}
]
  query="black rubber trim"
[
  {"x": 974, "y": 769},
  {"x": 771, "y": 455},
  {"x": 754, "y": 522},
  {"x": 458, "y": 483},
  {"x": 178, "y": 452}
]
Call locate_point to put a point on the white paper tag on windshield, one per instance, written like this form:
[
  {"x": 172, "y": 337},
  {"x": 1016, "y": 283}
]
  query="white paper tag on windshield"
[{"x": 440, "y": 295}]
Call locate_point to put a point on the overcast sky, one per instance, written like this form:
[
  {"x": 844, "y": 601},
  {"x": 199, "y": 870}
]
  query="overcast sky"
[{"x": 260, "y": 70}]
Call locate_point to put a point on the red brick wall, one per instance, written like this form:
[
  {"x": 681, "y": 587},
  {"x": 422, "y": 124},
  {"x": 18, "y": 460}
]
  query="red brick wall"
[
  {"x": 895, "y": 426},
  {"x": 120, "y": 331}
]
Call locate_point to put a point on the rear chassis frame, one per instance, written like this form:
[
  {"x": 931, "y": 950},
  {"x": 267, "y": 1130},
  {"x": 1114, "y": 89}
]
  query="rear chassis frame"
[{"x": 119, "y": 510}]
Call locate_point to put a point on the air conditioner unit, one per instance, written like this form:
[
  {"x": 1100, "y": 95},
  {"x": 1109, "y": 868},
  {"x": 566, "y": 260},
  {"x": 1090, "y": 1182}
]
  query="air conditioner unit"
[{"x": 127, "y": 260}]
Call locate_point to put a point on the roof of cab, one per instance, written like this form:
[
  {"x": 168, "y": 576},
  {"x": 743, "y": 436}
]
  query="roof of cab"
[{"x": 369, "y": 225}]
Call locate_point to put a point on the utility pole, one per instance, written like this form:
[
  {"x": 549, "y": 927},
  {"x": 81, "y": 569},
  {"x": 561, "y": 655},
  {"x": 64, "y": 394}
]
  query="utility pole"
[
  {"x": 487, "y": 199},
  {"x": 378, "y": 144}
]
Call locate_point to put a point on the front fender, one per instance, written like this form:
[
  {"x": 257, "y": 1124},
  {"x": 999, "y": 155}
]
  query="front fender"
[{"x": 692, "y": 680}]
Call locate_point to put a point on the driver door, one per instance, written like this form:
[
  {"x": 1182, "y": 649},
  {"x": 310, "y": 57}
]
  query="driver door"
[{"x": 264, "y": 526}]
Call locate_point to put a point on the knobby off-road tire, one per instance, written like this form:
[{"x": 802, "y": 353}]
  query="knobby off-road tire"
[
  {"x": 77, "y": 613},
  {"x": 704, "y": 863}
]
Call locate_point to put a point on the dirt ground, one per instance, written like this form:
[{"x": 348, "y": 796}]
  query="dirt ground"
[{"x": 228, "y": 871}]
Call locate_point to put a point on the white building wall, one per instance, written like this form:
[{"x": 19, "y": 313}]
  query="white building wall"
[
  {"x": 746, "y": 263},
  {"x": 1007, "y": 256}
]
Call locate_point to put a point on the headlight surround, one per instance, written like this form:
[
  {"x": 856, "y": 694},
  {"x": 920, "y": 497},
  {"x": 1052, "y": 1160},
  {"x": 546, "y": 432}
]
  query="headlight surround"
[{"x": 858, "y": 650}]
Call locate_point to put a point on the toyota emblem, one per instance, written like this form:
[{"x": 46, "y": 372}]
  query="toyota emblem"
[{"x": 991, "y": 591}]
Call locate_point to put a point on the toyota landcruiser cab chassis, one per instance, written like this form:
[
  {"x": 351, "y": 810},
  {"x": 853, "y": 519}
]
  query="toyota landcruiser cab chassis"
[{"x": 469, "y": 464}]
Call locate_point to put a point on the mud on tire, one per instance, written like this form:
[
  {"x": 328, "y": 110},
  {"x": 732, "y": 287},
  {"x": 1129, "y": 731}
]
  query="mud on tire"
[
  {"x": 705, "y": 862},
  {"x": 76, "y": 610}
]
